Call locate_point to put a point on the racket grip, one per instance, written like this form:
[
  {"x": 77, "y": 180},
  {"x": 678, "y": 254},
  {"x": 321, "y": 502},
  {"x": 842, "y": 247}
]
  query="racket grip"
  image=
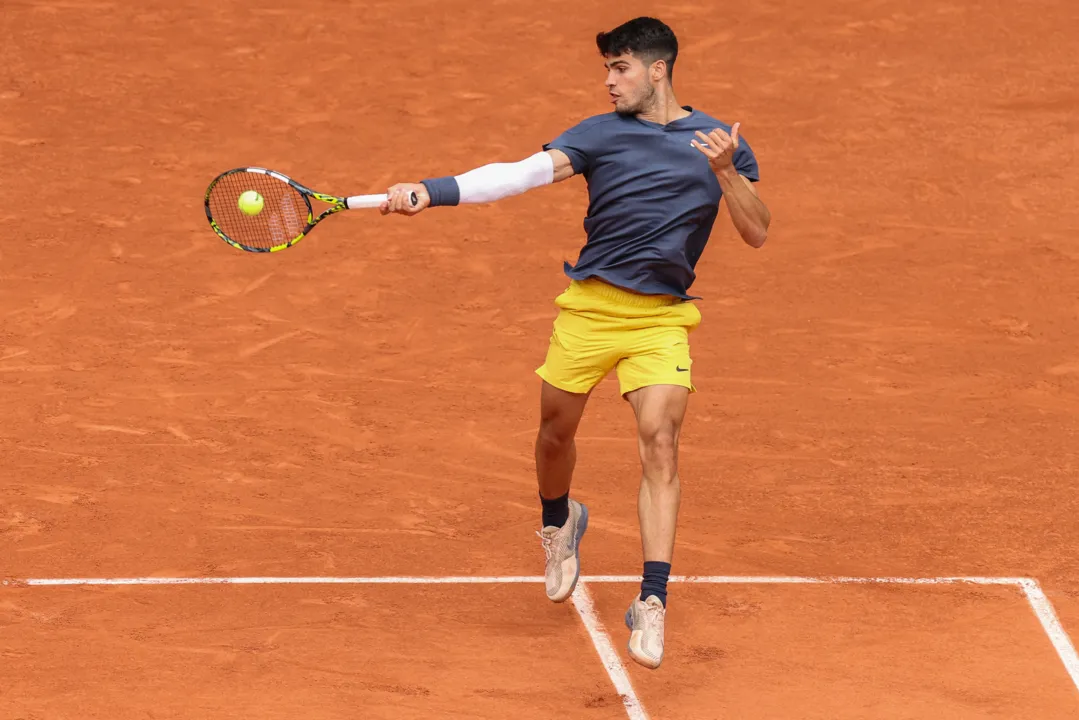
[{"x": 373, "y": 201}]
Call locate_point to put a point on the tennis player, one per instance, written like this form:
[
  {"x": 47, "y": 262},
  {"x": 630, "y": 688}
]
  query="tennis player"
[{"x": 656, "y": 173}]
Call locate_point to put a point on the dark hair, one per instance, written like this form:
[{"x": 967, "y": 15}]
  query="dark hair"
[{"x": 643, "y": 37}]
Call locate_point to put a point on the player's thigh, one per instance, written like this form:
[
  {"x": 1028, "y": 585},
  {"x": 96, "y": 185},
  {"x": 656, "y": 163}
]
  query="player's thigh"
[
  {"x": 656, "y": 405},
  {"x": 659, "y": 410},
  {"x": 658, "y": 355},
  {"x": 582, "y": 350}
]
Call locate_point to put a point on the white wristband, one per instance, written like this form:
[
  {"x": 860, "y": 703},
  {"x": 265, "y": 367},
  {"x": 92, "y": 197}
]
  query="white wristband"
[{"x": 501, "y": 180}]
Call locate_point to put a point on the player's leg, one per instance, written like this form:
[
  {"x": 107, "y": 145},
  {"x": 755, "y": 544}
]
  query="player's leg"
[
  {"x": 660, "y": 410},
  {"x": 579, "y": 356},
  {"x": 655, "y": 380},
  {"x": 564, "y": 520}
]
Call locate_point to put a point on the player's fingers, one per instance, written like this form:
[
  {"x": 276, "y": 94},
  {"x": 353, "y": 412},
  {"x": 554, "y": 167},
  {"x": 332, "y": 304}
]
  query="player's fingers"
[
  {"x": 734, "y": 134},
  {"x": 720, "y": 138},
  {"x": 396, "y": 197},
  {"x": 705, "y": 140},
  {"x": 413, "y": 201},
  {"x": 402, "y": 200},
  {"x": 705, "y": 145},
  {"x": 704, "y": 151}
]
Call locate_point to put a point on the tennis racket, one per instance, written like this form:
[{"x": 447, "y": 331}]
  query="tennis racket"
[{"x": 286, "y": 215}]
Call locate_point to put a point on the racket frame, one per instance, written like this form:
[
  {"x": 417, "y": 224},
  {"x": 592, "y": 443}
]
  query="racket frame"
[{"x": 337, "y": 204}]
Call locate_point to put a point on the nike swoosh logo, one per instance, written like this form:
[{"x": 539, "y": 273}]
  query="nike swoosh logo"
[{"x": 681, "y": 369}]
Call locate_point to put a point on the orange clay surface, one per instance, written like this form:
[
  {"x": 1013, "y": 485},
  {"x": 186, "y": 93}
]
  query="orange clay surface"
[{"x": 888, "y": 387}]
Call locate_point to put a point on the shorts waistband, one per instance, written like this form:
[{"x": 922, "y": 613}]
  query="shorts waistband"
[{"x": 592, "y": 286}]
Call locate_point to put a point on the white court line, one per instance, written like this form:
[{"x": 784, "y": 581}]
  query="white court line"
[
  {"x": 1051, "y": 624},
  {"x": 822, "y": 580},
  {"x": 316, "y": 580},
  {"x": 582, "y": 600},
  {"x": 499, "y": 579},
  {"x": 1043, "y": 609}
]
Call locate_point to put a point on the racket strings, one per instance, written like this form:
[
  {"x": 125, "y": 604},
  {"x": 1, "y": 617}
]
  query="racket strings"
[{"x": 284, "y": 212}]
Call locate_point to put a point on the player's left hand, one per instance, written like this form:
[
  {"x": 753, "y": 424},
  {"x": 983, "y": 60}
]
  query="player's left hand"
[{"x": 718, "y": 146}]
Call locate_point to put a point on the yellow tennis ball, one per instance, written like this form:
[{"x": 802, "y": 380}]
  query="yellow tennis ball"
[{"x": 250, "y": 203}]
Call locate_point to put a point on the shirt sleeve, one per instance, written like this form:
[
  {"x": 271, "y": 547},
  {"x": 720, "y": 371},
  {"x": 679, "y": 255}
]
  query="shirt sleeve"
[
  {"x": 745, "y": 162},
  {"x": 579, "y": 145}
]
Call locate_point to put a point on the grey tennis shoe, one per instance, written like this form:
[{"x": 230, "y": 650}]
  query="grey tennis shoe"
[
  {"x": 562, "y": 546},
  {"x": 645, "y": 619}
]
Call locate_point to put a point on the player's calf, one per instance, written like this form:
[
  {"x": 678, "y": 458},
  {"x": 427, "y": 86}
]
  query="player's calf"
[
  {"x": 556, "y": 451},
  {"x": 556, "y": 456}
]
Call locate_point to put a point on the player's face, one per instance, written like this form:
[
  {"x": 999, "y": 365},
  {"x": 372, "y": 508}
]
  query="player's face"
[{"x": 630, "y": 90}]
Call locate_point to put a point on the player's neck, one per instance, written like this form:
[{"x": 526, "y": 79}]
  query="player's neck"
[{"x": 665, "y": 110}]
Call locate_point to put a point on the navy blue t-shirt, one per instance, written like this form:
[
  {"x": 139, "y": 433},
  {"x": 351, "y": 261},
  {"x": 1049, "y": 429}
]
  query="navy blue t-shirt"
[{"x": 652, "y": 199}]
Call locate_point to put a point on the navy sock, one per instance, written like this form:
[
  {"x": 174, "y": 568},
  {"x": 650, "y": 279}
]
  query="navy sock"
[
  {"x": 555, "y": 512},
  {"x": 654, "y": 581}
]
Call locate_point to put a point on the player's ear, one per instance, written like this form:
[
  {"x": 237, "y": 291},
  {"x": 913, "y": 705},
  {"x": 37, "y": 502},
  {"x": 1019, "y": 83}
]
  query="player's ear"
[{"x": 659, "y": 71}]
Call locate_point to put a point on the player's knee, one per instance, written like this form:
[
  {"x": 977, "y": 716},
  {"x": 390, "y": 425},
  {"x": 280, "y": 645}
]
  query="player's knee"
[
  {"x": 659, "y": 450},
  {"x": 554, "y": 438},
  {"x": 560, "y": 413}
]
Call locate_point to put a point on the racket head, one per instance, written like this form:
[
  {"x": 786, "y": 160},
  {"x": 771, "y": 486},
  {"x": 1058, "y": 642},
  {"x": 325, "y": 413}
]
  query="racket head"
[{"x": 286, "y": 216}]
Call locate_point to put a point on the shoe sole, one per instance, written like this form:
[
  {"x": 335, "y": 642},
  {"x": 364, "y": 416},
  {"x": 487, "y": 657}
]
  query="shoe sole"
[{"x": 582, "y": 525}]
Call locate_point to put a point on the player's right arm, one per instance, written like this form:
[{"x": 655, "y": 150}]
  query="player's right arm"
[
  {"x": 489, "y": 183},
  {"x": 563, "y": 168}
]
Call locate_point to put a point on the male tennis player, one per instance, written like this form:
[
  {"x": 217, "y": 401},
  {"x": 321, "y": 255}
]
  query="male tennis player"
[{"x": 656, "y": 172}]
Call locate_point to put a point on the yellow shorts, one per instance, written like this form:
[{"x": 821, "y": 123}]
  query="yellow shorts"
[{"x": 601, "y": 327}]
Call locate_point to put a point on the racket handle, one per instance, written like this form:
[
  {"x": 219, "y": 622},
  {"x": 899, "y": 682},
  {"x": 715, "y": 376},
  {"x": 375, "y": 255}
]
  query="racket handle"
[{"x": 372, "y": 201}]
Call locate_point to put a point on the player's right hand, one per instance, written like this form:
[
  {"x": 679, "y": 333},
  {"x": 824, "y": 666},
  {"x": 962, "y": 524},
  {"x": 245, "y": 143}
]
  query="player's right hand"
[{"x": 399, "y": 199}]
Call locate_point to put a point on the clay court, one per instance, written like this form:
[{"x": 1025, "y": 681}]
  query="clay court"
[{"x": 887, "y": 389}]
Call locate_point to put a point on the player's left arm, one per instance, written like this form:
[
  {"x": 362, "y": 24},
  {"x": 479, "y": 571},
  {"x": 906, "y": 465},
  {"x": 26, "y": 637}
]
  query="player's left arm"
[{"x": 749, "y": 214}]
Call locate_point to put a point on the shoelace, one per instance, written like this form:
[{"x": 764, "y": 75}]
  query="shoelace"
[
  {"x": 547, "y": 543},
  {"x": 653, "y": 614}
]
